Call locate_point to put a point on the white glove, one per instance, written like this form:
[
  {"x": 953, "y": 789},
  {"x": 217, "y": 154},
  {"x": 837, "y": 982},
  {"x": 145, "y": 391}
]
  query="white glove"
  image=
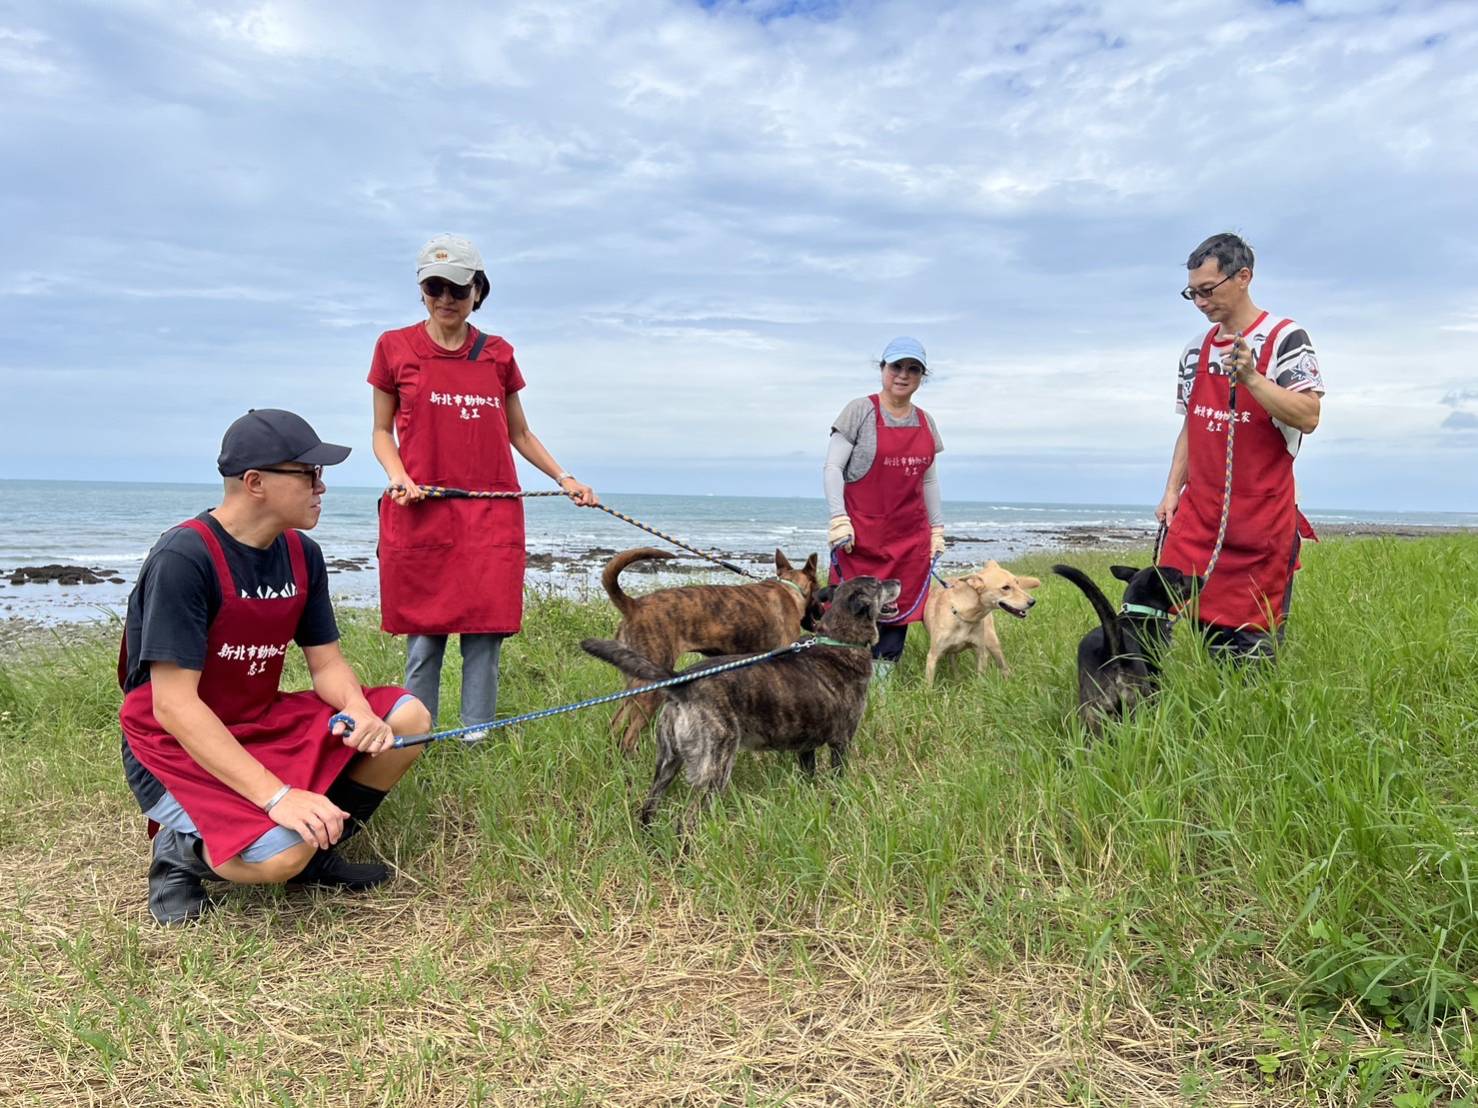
[
  {"x": 936, "y": 541},
  {"x": 840, "y": 534}
]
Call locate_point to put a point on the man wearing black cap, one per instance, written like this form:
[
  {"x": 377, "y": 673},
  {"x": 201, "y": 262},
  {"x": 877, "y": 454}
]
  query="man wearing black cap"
[{"x": 243, "y": 782}]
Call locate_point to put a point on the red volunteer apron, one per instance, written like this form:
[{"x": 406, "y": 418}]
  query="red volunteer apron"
[
  {"x": 453, "y": 566},
  {"x": 1260, "y": 552},
  {"x": 889, "y": 518},
  {"x": 287, "y": 733}
]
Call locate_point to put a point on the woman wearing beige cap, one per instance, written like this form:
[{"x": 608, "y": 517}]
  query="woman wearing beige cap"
[{"x": 447, "y": 412}]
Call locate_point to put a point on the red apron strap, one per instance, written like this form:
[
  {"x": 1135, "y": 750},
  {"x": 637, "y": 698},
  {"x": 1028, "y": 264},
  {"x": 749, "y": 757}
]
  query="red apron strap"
[
  {"x": 299, "y": 563},
  {"x": 217, "y": 555}
]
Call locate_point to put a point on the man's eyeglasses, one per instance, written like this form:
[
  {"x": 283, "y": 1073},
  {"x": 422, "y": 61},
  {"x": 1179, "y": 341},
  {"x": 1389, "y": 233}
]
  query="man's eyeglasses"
[
  {"x": 434, "y": 287},
  {"x": 314, "y": 475},
  {"x": 1205, "y": 291}
]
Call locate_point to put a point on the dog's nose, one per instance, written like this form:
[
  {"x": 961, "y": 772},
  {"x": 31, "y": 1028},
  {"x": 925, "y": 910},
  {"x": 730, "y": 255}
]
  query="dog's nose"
[{"x": 1031, "y": 602}]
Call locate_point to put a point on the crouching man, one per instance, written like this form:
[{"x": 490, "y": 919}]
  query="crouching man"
[{"x": 244, "y": 782}]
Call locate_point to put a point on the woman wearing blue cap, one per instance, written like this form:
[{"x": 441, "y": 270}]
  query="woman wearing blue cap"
[{"x": 883, "y": 492}]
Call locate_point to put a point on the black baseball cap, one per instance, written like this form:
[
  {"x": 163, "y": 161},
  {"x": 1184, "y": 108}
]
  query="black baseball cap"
[{"x": 271, "y": 436}]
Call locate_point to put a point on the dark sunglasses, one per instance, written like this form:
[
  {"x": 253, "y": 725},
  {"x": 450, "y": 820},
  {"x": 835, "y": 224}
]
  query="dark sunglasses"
[
  {"x": 1205, "y": 291},
  {"x": 314, "y": 475},
  {"x": 434, "y": 287}
]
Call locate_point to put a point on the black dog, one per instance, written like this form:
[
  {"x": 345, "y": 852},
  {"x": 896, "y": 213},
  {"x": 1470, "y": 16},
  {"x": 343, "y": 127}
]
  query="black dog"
[
  {"x": 1118, "y": 662},
  {"x": 796, "y": 702}
]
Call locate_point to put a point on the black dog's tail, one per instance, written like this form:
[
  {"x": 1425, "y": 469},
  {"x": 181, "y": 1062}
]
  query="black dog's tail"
[
  {"x": 629, "y": 662},
  {"x": 1106, "y": 614}
]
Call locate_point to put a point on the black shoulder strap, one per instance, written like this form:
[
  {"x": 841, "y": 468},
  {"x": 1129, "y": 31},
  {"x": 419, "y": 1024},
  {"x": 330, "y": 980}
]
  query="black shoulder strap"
[{"x": 477, "y": 345}]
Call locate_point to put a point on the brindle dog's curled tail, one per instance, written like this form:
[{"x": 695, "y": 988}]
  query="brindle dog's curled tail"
[
  {"x": 610, "y": 576},
  {"x": 628, "y": 661},
  {"x": 1106, "y": 614}
]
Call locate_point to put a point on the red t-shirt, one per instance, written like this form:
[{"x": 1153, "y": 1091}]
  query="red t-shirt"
[{"x": 396, "y": 367}]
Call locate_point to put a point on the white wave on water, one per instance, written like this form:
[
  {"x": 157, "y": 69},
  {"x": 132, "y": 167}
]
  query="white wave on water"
[{"x": 113, "y": 525}]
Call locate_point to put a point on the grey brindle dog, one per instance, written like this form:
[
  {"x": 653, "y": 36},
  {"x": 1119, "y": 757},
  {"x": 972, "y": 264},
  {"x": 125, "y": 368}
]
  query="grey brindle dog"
[{"x": 795, "y": 702}]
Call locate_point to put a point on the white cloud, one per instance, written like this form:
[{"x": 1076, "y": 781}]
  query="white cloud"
[{"x": 707, "y": 223}]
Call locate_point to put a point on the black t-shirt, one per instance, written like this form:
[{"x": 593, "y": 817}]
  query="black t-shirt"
[{"x": 177, "y": 596}]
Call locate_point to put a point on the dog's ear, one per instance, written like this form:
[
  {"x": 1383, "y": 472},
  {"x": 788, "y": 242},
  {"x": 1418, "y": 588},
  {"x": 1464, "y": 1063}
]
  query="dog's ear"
[
  {"x": 782, "y": 563},
  {"x": 810, "y": 566},
  {"x": 1123, "y": 573},
  {"x": 858, "y": 603},
  {"x": 975, "y": 581},
  {"x": 1029, "y": 582}
]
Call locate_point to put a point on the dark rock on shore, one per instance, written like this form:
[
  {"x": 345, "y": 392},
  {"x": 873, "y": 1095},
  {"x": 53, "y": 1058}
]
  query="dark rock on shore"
[
  {"x": 64, "y": 575},
  {"x": 346, "y": 565}
]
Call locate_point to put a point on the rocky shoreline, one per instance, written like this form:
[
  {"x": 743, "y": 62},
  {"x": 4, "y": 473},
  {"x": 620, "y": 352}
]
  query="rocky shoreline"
[{"x": 579, "y": 570}]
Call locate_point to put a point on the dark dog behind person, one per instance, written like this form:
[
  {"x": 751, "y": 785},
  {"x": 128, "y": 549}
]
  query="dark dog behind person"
[
  {"x": 448, "y": 412},
  {"x": 882, "y": 491},
  {"x": 246, "y": 782}
]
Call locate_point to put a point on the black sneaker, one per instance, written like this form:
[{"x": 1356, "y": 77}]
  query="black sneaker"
[
  {"x": 328, "y": 869},
  {"x": 176, "y": 888}
]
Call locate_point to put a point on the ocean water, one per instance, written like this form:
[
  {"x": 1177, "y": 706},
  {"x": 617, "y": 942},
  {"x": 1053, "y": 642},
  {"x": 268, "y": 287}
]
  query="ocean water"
[{"x": 112, "y": 525}]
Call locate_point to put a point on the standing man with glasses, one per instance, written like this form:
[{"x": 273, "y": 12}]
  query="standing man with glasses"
[
  {"x": 1243, "y": 605},
  {"x": 241, "y": 781}
]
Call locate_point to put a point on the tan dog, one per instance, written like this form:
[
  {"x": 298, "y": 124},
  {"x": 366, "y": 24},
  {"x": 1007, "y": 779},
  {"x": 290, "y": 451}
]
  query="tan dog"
[
  {"x": 703, "y": 619},
  {"x": 962, "y": 615}
]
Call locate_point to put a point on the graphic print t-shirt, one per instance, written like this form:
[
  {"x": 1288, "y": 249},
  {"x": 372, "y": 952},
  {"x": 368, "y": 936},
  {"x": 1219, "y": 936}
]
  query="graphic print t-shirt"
[
  {"x": 177, "y": 596},
  {"x": 1295, "y": 366}
]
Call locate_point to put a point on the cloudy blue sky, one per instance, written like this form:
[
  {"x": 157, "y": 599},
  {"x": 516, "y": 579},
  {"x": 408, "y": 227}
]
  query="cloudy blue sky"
[{"x": 703, "y": 221}]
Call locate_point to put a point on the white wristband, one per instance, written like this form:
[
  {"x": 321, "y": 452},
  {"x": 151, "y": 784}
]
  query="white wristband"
[{"x": 278, "y": 795}]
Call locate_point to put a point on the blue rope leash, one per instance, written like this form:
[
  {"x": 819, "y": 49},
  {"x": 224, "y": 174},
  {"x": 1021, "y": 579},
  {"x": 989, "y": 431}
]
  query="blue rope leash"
[
  {"x": 480, "y": 730},
  {"x": 923, "y": 592}
]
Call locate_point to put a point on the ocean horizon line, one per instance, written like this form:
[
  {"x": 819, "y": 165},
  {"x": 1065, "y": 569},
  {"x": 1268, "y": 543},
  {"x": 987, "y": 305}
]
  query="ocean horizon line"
[{"x": 1307, "y": 508}]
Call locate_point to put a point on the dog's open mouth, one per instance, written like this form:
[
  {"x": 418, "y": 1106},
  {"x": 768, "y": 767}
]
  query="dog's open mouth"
[
  {"x": 1019, "y": 613},
  {"x": 888, "y": 610}
]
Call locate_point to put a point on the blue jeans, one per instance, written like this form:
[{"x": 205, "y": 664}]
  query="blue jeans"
[{"x": 480, "y": 653}]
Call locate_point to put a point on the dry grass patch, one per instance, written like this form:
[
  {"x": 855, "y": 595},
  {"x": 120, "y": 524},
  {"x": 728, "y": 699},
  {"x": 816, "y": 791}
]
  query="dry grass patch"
[{"x": 415, "y": 995}]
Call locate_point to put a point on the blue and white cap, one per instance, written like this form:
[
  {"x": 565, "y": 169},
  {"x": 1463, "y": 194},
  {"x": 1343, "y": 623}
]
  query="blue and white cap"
[{"x": 904, "y": 347}]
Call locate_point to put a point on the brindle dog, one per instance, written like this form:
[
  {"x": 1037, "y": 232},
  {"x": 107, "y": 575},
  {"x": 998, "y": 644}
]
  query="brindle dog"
[
  {"x": 1119, "y": 661},
  {"x": 703, "y": 619},
  {"x": 796, "y": 702}
]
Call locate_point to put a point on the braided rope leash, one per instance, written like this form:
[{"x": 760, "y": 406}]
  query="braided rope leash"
[
  {"x": 923, "y": 591},
  {"x": 442, "y": 492},
  {"x": 479, "y": 731},
  {"x": 1226, "y": 495}
]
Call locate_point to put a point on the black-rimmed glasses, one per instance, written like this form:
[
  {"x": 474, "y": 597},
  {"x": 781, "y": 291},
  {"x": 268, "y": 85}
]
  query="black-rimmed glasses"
[
  {"x": 1205, "y": 291},
  {"x": 314, "y": 475}
]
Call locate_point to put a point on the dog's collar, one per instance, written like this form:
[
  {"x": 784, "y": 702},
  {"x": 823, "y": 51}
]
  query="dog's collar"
[
  {"x": 827, "y": 640},
  {"x": 800, "y": 592},
  {"x": 1143, "y": 610}
]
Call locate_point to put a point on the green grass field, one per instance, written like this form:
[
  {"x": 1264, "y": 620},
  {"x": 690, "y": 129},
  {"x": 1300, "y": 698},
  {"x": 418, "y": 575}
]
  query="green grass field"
[{"x": 1261, "y": 890}]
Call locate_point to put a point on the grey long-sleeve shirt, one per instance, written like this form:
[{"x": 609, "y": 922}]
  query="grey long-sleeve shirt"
[{"x": 854, "y": 446}]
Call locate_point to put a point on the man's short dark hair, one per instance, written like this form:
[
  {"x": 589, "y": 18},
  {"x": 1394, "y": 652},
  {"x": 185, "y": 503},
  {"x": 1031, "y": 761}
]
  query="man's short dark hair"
[{"x": 1232, "y": 254}]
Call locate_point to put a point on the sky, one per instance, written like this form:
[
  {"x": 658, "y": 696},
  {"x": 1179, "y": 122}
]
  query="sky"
[{"x": 704, "y": 221}]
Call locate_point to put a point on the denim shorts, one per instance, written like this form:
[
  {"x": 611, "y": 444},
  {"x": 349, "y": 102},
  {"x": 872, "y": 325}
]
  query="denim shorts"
[{"x": 168, "y": 813}]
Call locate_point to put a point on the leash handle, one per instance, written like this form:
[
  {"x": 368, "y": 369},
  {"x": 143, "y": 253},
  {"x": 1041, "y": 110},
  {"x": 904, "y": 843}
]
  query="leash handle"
[
  {"x": 346, "y": 719},
  {"x": 442, "y": 492}
]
